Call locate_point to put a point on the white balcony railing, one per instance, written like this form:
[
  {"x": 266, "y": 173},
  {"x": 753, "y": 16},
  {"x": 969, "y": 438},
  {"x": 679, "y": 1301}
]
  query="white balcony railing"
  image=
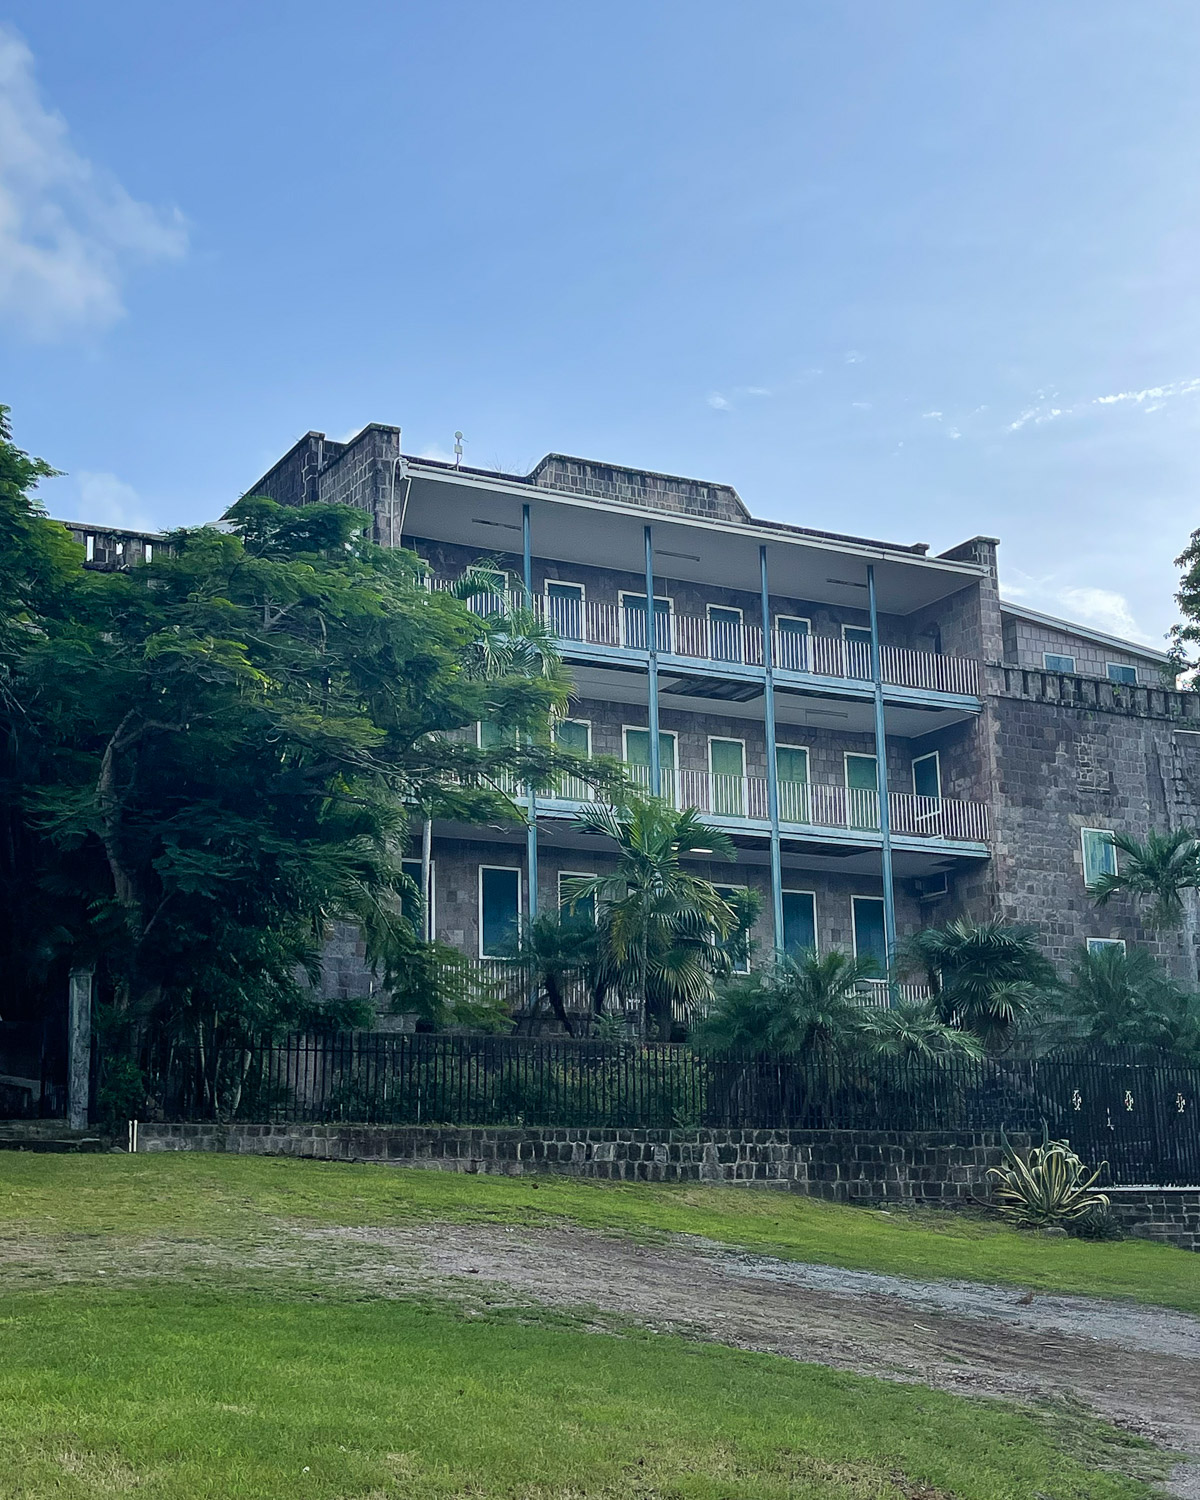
[
  {"x": 814, "y": 804},
  {"x": 699, "y": 638},
  {"x": 709, "y": 639}
]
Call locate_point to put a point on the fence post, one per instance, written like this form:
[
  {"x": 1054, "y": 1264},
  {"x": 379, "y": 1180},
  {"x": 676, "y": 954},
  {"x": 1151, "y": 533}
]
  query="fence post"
[{"x": 79, "y": 1048}]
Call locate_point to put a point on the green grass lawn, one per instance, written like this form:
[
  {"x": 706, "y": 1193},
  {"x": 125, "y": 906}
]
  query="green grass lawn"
[
  {"x": 164, "y": 1394},
  {"x": 171, "y": 1194}
]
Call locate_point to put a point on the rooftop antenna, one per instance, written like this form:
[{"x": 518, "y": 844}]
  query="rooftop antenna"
[{"x": 458, "y": 450}]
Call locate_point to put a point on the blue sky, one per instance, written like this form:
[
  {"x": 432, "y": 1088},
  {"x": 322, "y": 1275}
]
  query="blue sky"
[{"x": 916, "y": 270}]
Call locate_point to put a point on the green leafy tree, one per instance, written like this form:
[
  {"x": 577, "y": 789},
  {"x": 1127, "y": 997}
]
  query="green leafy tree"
[
  {"x": 796, "y": 1005},
  {"x": 986, "y": 977},
  {"x": 1121, "y": 997},
  {"x": 212, "y": 758},
  {"x": 662, "y": 927}
]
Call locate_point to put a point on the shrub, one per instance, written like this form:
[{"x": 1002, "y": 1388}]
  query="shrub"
[{"x": 1049, "y": 1187}]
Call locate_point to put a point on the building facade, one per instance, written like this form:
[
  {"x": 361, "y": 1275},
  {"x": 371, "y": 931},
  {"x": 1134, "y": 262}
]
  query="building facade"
[{"x": 887, "y": 742}]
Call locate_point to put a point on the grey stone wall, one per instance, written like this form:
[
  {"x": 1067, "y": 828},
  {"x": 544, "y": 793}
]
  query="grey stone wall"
[
  {"x": 844, "y": 1165},
  {"x": 1169, "y": 1215},
  {"x": 1072, "y": 754},
  {"x": 1025, "y": 641},
  {"x": 695, "y": 497}
]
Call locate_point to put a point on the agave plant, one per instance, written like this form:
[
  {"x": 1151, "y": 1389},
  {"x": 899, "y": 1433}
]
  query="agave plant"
[{"x": 1050, "y": 1186}]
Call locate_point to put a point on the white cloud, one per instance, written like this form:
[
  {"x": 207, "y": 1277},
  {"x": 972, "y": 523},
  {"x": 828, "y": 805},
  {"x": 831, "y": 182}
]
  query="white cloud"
[
  {"x": 1152, "y": 398},
  {"x": 861, "y": 405},
  {"x": 852, "y": 357},
  {"x": 1103, "y": 608},
  {"x": 754, "y": 390},
  {"x": 718, "y": 402},
  {"x": 931, "y": 416},
  {"x": 69, "y": 231},
  {"x": 104, "y": 500}
]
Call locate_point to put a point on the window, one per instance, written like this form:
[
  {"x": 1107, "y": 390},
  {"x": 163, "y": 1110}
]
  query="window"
[
  {"x": 568, "y": 884},
  {"x": 633, "y": 622},
  {"x": 89, "y": 549},
  {"x": 410, "y": 902},
  {"x": 927, "y": 776},
  {"x": 1052, "y": 661},
  {"x": 637, "y": 759},
  {"x": 574, "y": 735},
  {"x": 1098, "y": 945},
  {"x": 791, "y": 636},
  {"x": 149, "y": 552},
  {"x": 799, "y": 923},
  {"x": 491, "y": 736},
  {"x": 1099, "y": 854},
  {"x": 737, "y": 944},
  {"x": 858, "y": 650},
  {"x": 499, "y": 909},
  {"x": 862, "y": 791},
  {"x": 564, "y": 610},
  {"x": 791, "y": 770},
  {"x": 727, "y": 768},
  {"x": 724, "y": 633},
  {"x": 1118, "y": 672},
  {"x": 870, "y": 940}
]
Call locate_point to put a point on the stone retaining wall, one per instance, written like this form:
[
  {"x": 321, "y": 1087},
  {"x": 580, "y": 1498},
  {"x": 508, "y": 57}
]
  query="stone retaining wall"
[
  {"x": 1170, "y": 1215},
  {"x": 845, "y": 1165}
]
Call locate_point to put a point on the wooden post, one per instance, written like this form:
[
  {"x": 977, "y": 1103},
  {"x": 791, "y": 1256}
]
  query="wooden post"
[{"x": 79, "y": 1048}]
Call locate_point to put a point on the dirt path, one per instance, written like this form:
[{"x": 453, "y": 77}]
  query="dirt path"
[{"x": 1137, "y": 1366}]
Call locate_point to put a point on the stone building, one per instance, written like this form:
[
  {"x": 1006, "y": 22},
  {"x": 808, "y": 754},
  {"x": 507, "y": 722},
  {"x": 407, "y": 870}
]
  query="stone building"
[{"x": 887, "y": 742}]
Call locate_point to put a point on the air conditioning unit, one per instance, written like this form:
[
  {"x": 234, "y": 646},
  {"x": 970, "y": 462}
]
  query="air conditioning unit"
[{"x": 933, "y": 887}]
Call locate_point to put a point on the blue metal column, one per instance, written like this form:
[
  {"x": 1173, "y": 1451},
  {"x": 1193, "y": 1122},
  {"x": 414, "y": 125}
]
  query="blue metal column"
[
  {"x": 652, "y": 668},
  {"x": 885, "y": 819},
  {"x": 772, "y": 765},
  {"x": 531, "y": 834}
]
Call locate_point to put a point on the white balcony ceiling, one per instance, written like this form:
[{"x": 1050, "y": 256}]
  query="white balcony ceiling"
[{"x": 486, "y": 517}]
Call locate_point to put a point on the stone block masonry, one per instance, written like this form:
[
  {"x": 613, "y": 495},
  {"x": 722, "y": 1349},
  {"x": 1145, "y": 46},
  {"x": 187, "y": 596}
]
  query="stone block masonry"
[
  {"x": 931, "y": 1168},
  {"x": 1169, "y": 1215},
  {"x": 846, "y": 1166}
]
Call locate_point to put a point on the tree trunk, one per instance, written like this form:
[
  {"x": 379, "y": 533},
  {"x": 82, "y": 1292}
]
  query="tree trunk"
[{"x": 557, "y": 1004}]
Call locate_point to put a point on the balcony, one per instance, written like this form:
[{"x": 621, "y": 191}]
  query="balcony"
[
  {"x": 806, "y": 805},
  {"x": 721, "y": 639}
]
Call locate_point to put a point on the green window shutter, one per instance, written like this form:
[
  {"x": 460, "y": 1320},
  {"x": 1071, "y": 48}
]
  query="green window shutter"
[
  {"x": 927, "y": 777},
  {"x": 799, "y": 923},
  {"x": 791, "y": 765},
  {"x": 869, "y": 937},
  {"x": 499, "y": 910},
  {"x": 862, "y": 791},
  {"x": 491, "y": 735},
  {"x": 572, "y": 734},
  {"x": 565, "y": 609},
  {"x": 727, "y": 762},
  {"x": 637, "y": 757},
  {"x": 792, "y": 638},
  {"x": 858, "y": 651}
]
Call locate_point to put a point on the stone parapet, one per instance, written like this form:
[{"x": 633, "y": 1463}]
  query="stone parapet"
[{"x": 1071, "y": 690}]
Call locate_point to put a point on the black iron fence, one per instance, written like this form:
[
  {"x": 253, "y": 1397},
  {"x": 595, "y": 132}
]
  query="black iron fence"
[
  {"x": 1140, "y": 1114},
  {"x": 33, "y": 1068}
]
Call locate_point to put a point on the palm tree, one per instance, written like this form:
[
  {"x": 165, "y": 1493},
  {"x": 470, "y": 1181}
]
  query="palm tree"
[
  {"x": 913, "y": 1032},
  {"x": 1160, "y": 870},
  {"x": 986, "y": 977},
  {"x": 797, "y": 1005},
  {"x": 555, "y": 951},
  {"x": 1120, "y": 997},
  {"x": 662, "y": 927}
]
